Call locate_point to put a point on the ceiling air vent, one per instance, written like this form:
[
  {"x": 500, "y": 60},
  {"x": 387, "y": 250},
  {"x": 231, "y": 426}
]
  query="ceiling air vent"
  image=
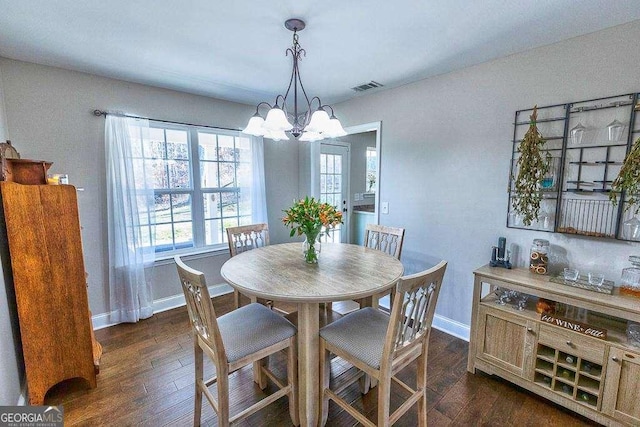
[{"x": 367, "y": 86}]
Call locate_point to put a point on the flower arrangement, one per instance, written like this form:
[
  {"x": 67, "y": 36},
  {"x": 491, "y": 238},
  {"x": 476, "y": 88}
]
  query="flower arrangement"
[{"x": 307, "y": 216}]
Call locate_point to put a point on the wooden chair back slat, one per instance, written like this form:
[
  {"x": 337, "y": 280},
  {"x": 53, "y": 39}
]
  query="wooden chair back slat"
[
  {"x": 384, "y": 238},
  {"x": 244, "y": 238},
  {"x": 201, "y": 312},
  {"x": 247, "y": 237},
  {"x": 411, "y": 321}
]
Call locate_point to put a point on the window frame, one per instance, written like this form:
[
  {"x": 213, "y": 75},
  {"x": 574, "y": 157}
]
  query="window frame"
[{"x": 195, "y": 189}]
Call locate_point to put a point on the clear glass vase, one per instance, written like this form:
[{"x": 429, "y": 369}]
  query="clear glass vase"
[{"x": 312, "y": 246}]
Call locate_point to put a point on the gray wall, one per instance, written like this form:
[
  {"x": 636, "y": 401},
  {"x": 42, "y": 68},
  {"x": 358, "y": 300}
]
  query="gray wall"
[
  {"x": 49, "y": 117},
  {"x": 447, "y": 146}
]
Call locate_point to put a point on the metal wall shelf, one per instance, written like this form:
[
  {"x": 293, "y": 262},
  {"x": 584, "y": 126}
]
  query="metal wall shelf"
[{"x": 578, "y": 185}]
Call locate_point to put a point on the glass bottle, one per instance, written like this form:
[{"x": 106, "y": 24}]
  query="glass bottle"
[
  {"x": 630, "y": 281},
  {"x": 539, "y": 256}
]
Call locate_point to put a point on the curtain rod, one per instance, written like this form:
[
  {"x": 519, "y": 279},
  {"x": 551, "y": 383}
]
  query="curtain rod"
[{"x": 99, "y": 113}]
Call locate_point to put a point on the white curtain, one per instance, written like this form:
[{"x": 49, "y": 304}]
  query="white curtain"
[
  {"x": 254, "y": 186},
  {"x": 128, "y": 195}
]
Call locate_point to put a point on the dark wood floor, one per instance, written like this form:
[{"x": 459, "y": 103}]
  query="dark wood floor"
[{"x": 146, "y": 378}]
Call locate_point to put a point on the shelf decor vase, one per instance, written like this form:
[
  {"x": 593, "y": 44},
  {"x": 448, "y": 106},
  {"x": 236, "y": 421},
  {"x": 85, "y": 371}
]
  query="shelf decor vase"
[{"x": 312, "y": 246}]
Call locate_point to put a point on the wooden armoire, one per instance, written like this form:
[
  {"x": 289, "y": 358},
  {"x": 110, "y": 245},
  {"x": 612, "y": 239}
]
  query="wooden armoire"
[{"x": 45, "y": 248}]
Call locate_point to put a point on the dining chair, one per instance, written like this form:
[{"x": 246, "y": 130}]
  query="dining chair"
[
  {"x": 242, "y": 239},
  {"x": 388, "y": 240},
  {"x": 381, "y": 345},
  {"x": 248, "y": 335}
]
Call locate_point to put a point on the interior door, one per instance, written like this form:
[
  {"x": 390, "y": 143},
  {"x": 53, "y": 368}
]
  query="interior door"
[{"x": 334, "y": 185}]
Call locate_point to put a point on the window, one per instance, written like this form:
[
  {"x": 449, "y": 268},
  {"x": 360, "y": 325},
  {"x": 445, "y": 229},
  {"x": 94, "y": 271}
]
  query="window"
[
  {"x": 371, "y": 169},
  {"x": 201, "y": 184}
]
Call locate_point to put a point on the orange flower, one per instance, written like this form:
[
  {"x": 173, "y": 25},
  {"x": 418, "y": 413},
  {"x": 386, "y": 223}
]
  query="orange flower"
[{"x": 308, "y": 215}]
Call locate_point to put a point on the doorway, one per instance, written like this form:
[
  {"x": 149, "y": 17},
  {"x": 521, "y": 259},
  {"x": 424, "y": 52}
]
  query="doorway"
[
  {"x": 334, "y": 185},
  {"x": 364, "y": 184},
  {"x": 357, "y": 183}
]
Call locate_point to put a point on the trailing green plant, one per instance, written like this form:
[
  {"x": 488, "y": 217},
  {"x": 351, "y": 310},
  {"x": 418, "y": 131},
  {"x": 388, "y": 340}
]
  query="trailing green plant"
[
  {"x": 628, "y": 179},
  {"x": 532, "y": 165}
]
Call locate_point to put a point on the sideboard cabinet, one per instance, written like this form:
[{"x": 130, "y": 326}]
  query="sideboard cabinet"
[{"x": 597, "y": 378}]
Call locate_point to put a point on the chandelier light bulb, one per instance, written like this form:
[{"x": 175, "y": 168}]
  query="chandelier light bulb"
[
  {"x": 277, "y": 120},
  {"x": 255, "y": 126},
  {"x": 319, "y": 121},
  {"x": 334, "y": 128}
]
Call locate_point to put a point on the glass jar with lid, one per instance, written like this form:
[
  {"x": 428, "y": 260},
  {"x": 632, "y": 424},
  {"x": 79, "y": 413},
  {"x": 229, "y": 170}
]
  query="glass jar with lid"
[
  {"x": 539, "y": 256},
  {"x": 630, "y": 281}
]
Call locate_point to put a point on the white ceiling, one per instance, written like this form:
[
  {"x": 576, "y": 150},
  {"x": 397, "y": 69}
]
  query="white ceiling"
[{"x": 235, "y": 50}]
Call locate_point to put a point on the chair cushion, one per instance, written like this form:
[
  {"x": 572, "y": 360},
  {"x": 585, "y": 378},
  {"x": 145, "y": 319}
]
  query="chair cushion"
[
  {"x": 360, "y": 333},
  {"x": 252, "y": 328}
]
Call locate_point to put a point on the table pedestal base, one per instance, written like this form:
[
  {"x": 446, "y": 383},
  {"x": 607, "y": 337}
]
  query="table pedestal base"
[{"x": 308, "y": 363}]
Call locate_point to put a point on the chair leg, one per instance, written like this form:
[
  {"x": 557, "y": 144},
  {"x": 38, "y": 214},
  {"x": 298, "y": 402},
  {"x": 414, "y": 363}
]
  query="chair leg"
[
  {"x": 325, "y": 377},
  {"x": 384, "y": 401},
  {"x": 292, "y": 379},
  {"x": 366, "y": 383},
  {"x": 199, "y": 372},
  {"x": 259, "y": 377},
  {"x": 421, "y": 384},
  {"x": 223, "y": 399},
  {"x": 236, "y": 299}
]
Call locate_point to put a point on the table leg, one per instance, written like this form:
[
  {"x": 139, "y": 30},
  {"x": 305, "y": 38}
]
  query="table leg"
[
  {"x": 366, "y": 301},
  {"x": 308, "y": 363}
]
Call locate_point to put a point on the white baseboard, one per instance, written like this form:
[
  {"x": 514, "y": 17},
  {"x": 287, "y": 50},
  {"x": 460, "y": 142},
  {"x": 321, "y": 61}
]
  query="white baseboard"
[
  {"x": 104, "y": 320},
  {"x": 441, "y": 323},
  {"x": 452, "y": 327},
  {"x": 175, "y": 301}
]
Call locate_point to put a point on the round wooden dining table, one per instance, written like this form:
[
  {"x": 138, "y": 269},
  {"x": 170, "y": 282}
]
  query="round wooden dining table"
[{"x": 343, "y": 272}]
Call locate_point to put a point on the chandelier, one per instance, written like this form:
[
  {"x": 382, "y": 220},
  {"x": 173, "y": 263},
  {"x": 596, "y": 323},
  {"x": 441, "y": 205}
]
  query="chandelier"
[{"x": 312, "y": 125}]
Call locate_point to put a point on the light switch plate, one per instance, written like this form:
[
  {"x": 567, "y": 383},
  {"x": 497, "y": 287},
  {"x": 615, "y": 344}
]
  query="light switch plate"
[{"x": 385, "y": 207}]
